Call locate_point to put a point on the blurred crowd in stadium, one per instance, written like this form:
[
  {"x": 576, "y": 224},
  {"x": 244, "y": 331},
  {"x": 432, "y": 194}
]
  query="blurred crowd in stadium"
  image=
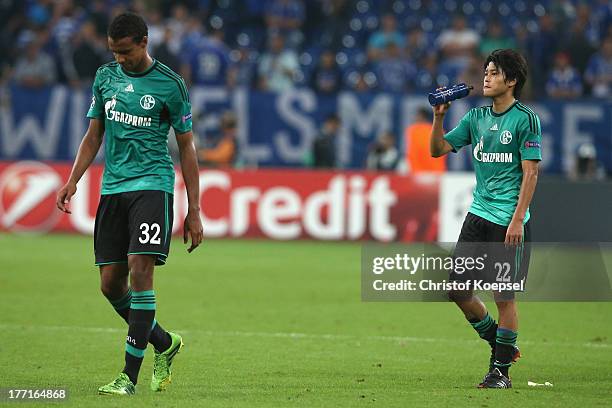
[
  {"x": 394, "y": 46},
  {"x": 329, "y": 45}
]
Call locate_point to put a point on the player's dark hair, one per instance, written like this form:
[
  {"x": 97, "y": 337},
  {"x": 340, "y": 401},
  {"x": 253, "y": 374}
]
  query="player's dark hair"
[
  {"x": 128, "y": 25},
  {"x": 513, "y": 66}
]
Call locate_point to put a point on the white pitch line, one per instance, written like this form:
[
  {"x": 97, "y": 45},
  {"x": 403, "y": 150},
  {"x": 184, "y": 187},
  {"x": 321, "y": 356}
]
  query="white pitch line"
[{"x": 287, "y": 335}]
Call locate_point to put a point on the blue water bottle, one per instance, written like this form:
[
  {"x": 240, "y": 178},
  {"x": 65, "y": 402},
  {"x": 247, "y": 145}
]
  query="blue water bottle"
[{"x": 449, "y": 94}]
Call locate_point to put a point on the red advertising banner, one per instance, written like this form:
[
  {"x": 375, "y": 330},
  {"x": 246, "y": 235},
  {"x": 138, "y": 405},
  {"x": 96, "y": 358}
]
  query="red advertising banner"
[{"x": 275, "y": 204}]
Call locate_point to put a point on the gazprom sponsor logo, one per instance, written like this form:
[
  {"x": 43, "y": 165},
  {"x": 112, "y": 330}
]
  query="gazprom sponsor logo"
[
  {"x": 496, "y": 157},
  {"x": 485, "y": 157},
  {"x": 128, "y": 119},
  {"x": 122, "y": 117}
]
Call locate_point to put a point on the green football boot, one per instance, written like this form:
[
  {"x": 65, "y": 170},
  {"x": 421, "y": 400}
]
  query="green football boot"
[
  {"x": 121, "y": 386},
  {"x": 162, "y": 375}
]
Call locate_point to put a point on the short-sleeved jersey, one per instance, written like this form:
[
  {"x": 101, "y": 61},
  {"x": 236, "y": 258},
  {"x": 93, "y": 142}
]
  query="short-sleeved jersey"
[
  {"x": 138, "y": 110},
  {"x": 500, "y": 142}
]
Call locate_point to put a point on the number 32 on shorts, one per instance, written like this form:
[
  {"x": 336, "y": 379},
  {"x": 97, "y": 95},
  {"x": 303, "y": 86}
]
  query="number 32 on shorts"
[{"x": 149, "y": 233}]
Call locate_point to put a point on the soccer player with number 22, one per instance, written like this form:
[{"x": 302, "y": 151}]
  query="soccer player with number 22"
[
  {"x": 136, "y": 100},
  {"x": 505, "y": 139}
]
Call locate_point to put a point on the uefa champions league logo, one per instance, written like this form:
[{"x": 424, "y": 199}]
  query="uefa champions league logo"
[{"x": 147, "y": 102}]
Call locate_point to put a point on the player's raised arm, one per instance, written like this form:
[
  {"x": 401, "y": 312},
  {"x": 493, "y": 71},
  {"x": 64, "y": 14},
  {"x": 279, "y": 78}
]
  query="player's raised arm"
[
  {"x": 87, "y": 152},
  {"x": 189, "y": 166},
  {"x": 437, "y": 145}
]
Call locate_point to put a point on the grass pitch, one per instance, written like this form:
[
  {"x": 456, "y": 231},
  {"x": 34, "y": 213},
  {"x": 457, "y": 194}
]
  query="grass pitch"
[{"x": 280, "y": 324}]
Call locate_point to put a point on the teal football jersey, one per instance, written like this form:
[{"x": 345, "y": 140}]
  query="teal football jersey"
[
  {"x": 138, "y": 110},
  {"x": 500, "y": 141}
]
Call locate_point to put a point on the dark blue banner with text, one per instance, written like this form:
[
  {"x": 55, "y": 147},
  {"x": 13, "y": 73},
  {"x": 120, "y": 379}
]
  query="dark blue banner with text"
[{"x": 278, "y": 129}]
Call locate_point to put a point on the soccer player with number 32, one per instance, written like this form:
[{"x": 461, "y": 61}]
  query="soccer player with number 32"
[{"x": 136, "y": 100}]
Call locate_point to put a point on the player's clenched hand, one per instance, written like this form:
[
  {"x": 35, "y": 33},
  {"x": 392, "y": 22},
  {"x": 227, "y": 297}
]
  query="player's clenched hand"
[
  {"x": 514, "y": 234},
  {"x": 193, "y": 228},
  {"x": 64, "y": 195}
]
